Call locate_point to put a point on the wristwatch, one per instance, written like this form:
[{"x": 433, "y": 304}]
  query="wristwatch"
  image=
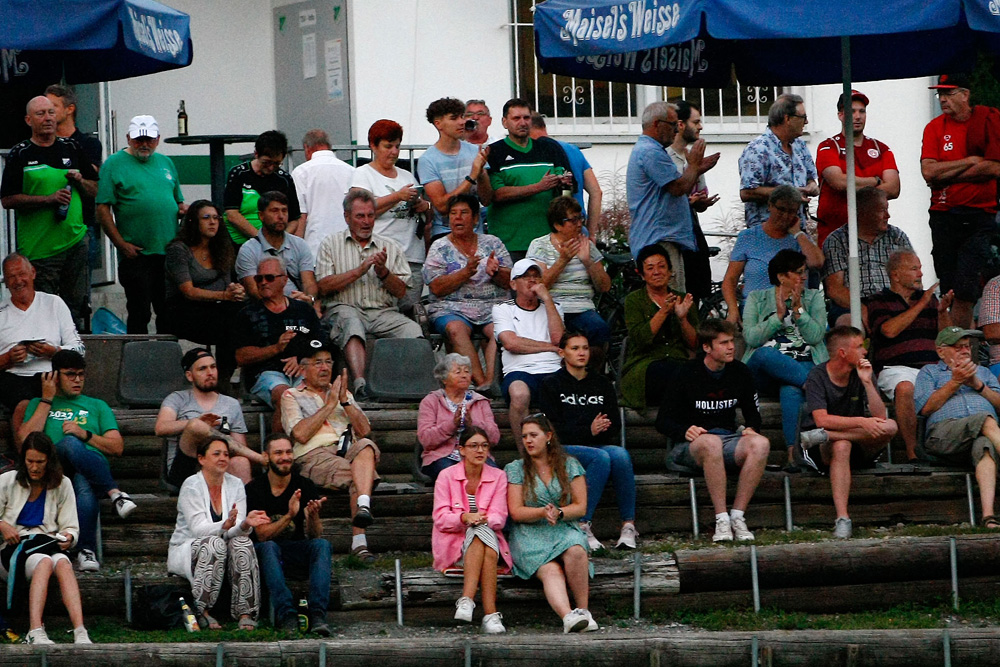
[
  {"x": 800, "y": 310},
  {"x": 561, "y": 515},
  {"x": 470, "y": 179}
]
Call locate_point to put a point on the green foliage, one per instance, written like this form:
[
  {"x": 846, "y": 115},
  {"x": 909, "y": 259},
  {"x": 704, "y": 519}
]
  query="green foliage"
[{"x": 985, "y": 87}]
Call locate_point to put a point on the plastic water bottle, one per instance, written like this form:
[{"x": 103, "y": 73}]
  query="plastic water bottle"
[
  {"x": 303, "y": 615},
  {"x": 190, "y": 623},
  {"x": 63, "y": 209}
]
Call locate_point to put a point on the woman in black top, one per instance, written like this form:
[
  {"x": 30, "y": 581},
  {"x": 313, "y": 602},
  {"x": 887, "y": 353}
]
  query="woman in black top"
[{"x": 583, "y": 408}]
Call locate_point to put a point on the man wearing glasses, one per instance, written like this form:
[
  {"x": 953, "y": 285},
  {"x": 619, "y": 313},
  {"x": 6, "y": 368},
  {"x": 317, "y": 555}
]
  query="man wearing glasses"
[
  {"x": 960, "y": 400},
  {"x": 778, "y": 157},
  {"x": 248, "y": 181},
  {"x": 274, "y": 241},
  {"x": 263, "y": 329},
  {"x": 478, "y": 111},
  {"x": 85, "y": 433},
  {"x": 960, "y": 161}
]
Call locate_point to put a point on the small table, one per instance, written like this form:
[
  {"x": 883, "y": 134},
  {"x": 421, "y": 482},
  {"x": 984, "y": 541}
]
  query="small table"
[{"x": 216, "y": 156}]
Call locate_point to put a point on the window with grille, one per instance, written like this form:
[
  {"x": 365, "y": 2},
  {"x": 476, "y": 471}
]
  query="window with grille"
[{"x": 581, "y": 106}]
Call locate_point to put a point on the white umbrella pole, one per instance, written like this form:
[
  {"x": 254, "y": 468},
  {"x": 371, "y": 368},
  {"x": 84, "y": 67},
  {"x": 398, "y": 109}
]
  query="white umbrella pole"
[{"x": 853, "y": 268}]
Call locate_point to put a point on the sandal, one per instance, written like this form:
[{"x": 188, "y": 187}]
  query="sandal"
[
  {"x": 208, "y": 623},
  {"x": 362, "y": 554},
  {"x": 991, "y": 522},
  {"x": 247, "y": 623}
]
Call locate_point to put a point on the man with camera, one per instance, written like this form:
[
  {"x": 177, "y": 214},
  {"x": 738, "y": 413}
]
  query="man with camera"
[{"x": 451, "y": 166}]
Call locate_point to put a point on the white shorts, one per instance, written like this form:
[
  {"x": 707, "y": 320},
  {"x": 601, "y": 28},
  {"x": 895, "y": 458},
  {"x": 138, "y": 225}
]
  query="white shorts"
[
  {"x": 890, "y": 376},
  {"x": 32, "y": 563}
]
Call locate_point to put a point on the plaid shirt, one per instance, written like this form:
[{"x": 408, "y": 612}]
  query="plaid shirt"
[
  {"x": 872, "y": 257},
  {"x": 963, "y": 403},
  {"x": 989, "y": 312}
]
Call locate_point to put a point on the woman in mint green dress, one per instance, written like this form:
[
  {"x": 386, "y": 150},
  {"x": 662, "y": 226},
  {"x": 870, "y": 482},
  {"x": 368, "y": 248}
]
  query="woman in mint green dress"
[{"x": 546, "y": 496}]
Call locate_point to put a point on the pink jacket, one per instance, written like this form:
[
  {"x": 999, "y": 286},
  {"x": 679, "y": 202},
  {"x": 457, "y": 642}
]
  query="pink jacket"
[
  {"x": 436, "y": 424},
  {"x": 451, "y": 501}
]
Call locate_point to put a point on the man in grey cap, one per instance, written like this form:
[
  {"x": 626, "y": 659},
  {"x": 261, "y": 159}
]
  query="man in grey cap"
[
  {"x": 138, "y": 201},
  {"x": 528, "y": 327},
  {"x": 960, "y": 400}
]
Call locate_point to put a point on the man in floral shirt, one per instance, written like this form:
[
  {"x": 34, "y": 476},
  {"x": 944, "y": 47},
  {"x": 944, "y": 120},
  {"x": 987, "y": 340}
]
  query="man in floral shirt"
[{"x": 778, "y": 157}]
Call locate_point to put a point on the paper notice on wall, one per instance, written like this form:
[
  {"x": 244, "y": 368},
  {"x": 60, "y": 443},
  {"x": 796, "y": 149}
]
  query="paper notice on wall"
[
  {"x": 309, "y": 56},
  {"x": 334, "y": 70}
]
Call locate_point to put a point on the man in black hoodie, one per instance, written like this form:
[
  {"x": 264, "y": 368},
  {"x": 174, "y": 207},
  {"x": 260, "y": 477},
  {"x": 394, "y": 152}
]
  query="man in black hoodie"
[{"x": 699, "y": 415}]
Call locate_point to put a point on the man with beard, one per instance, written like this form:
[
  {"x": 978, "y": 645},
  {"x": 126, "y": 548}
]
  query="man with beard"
[
  {"x": 273, "y": 240},
  {"x": 138, "y": 201},
  {"x": 293, "y": 539},
  {"x": 331, "y": 435},
  {"x": 192, "y": 416}
]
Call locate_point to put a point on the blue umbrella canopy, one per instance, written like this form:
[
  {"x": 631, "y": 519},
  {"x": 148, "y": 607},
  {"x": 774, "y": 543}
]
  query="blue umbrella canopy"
[
  {"x": 83, "y": 41},
  {"x": 701, "y": 42}
]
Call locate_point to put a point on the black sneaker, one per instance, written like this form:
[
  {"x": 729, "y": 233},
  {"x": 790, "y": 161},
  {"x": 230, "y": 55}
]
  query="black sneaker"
[
  {"x": 363, "y": 518},
  {"x": 318, "y": 626},
  {"x": 289, "y": 623}
]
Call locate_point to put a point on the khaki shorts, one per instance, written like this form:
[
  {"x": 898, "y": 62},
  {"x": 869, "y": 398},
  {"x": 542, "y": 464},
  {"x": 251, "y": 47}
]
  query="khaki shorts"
[
  {"x": 326, "y": 469},
  {"x": 956, "y": 439},
  {"x": 348, "y": 322}
]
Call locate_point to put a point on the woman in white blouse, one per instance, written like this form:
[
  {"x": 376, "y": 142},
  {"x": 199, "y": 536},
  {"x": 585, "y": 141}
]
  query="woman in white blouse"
[{"x": 211, "y": 538}]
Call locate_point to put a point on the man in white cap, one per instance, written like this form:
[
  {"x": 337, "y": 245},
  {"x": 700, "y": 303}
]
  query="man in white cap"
[
  {"x": 44, "y": 178},
  {"x": 138, "y": 201},
  {"x": 528, "y": 327}
]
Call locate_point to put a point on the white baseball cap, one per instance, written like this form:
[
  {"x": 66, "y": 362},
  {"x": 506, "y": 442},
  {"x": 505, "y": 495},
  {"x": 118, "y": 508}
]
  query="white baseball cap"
[
  {"x": 143, "y": 126},
  {"x": 522, "y": 266}
]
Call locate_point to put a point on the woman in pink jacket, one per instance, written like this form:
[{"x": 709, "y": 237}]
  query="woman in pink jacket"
[
  {"x": 470, "y": 510},
  {"x": 445, "y": 412}
]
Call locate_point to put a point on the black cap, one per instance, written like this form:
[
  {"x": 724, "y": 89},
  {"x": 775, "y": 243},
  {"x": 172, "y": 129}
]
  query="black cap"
[
  {"x": 304, "y": 346},
  {"x": 193, "y": 355},
  {"x": 952, "y": 81}
]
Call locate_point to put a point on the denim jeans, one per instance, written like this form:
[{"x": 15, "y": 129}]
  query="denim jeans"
[
  {"x": 311, "y": 555},
  {"x": 601, "y": 463},
  {"x": 91, "y": 476},
  {"x": 589, "y": 322},
  {"x": 769, "y": 366}
]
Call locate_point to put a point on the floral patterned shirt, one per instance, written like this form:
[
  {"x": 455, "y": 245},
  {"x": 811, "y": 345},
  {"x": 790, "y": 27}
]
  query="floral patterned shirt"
[
  {"x": 764, "y": 163},
  {"x": 474, "y": 300}
]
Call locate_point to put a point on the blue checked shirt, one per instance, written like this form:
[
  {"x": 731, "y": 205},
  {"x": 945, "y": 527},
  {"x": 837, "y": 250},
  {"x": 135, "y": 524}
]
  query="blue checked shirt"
[{"x": 963, "y": 403}]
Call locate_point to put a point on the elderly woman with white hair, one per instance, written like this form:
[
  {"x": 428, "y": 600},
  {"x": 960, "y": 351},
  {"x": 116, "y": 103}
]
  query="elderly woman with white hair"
[{"x": 445, "y": 413}]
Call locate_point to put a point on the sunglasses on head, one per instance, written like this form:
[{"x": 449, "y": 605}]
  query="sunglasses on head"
[{"x": 267, "y": 277}]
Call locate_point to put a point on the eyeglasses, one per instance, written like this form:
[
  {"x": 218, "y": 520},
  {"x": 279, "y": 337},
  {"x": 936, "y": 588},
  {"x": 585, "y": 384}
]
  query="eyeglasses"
[
  {"x": 477, "y": 447},
  {"x": 576, "y": 219},
  {"x": 947, "y": 93},
  {"x": 73, "y": 375},
  {"x": 962, "y": 346},
  {"x": 476, "y": 114},
  {"x": 267, "y": 277},
  {"x": 268, "y": 162},
  {"x": 804, "y": 116},
  {"x": 789, "y": 211},
  {"x": 322, "y": 362}
]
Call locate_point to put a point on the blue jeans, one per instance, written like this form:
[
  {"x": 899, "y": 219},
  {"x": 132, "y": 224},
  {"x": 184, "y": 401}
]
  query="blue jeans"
[
  {"x": 591, "y": 324},
  {"x": 91, "y": 476},
  {"x": 769, "y": 366},
  {"x": 601, "y": 463},
  {"x": 312, "y": 555}
]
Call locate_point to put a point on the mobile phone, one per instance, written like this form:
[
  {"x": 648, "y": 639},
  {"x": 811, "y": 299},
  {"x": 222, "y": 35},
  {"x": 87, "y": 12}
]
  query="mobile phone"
[
  {"x": 29, "y": 342},
  {"x": 60, "y": 537}
]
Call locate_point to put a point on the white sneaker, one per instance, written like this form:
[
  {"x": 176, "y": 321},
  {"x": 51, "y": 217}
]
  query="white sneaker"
[
  {"x": 80, "y": 636},
  {"x": 740, "y": 530},
  {"x": 627, "y": 538},
  {"x": 463, "y": 609},
  {"x": 124, "y": 505},
  {"x": 576, "y": 621},
  {"x": 493, "y": 624},
  {"x": 86, "y": 561},
  {"x": 592, "y": 542},
  {"x": 723, "y": 531},
  {"x": 591, "y": 623},
  {"x": 37, "y": 636},
  {"x": 843, "y": 528}
]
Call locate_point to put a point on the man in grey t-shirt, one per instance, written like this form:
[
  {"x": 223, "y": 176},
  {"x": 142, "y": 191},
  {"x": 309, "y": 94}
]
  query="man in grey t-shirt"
[{"x": 190, "y": 417}]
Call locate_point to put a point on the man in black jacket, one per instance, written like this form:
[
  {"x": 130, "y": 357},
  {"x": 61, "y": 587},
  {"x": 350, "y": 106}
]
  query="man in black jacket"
[{"x": 699, "y": 414}]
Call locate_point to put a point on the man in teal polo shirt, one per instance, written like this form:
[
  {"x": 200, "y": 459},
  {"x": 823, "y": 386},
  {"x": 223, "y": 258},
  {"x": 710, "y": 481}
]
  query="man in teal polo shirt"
[
  {"x": 85, "y": 432},
  {"x": 43, "y": 179},
  {"x": 138, "y": 201}
]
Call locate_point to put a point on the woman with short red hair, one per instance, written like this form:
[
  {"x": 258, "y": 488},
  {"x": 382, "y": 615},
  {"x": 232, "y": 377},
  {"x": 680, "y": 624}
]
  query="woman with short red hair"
[{"x": 401, "y": 213}]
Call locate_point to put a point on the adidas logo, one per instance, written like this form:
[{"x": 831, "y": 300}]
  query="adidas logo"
[{"x": 509, "y": 157}]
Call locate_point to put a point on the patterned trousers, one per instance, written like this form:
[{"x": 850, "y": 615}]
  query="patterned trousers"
[{"x": 211, "y": 557}]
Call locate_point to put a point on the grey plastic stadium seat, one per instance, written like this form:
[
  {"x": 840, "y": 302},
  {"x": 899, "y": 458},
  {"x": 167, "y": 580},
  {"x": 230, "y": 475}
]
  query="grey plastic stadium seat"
[
  {"x": 401, "y": 369},
  {"x": 149, "y": 371}
]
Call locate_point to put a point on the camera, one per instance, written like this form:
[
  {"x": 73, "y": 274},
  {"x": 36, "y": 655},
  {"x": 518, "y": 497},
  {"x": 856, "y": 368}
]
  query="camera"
[{"x": 471, "y": 125}]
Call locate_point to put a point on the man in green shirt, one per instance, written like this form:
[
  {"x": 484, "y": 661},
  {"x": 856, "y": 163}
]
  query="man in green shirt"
[
  {"x": 84, "y": 431},
  {"x": 43, "y": 179},
  {"x": 138, "y": 201}
]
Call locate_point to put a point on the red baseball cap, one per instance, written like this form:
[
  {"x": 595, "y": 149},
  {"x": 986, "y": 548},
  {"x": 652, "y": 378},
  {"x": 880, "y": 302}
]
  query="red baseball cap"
[{"x": 855, "y": 95}]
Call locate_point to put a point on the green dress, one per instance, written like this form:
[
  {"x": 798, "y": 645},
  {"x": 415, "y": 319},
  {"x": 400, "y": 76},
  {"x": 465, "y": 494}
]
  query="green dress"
[
  {"x": 644, "y": 348},
  {"x": 532, "y": 545}
]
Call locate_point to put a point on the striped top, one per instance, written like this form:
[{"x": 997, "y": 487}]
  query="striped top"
[
  {"x": 914, "y": 346},
  {"x": 573, "y": 288},
  {"x": 340, "y": 252}
]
